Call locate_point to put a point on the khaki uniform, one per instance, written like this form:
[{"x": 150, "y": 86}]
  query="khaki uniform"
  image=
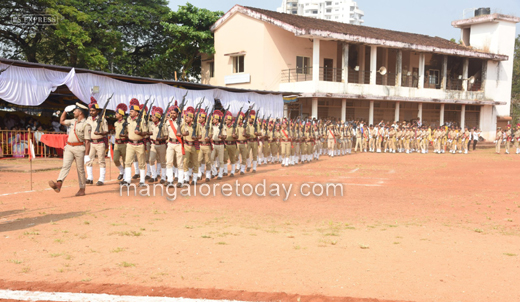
[
  {"x": 252, "y": 144},
  {"x": 285, "y": 143},
  {"x": 517, "y": 141},
  {"x": 274, "y": 136},
  {"x": 78, "y": 134},
  {"x": 204, "y": 156},
  {"x": 190, "y": 153},
  {"x": 97, "y": 146},
  {"x": 135, "y": 146},
  {"x": 498, "y": 141},
  {"x": 359, "y": 140},
  {"x": 120, "y": 145},
  {"x": 331, "y": 140},
  {"x": 158, "y": 148},
  {"x": 217, "y": 154},
  {"x": 230, "y": 146},
  {"x": 508, "y": 140}
]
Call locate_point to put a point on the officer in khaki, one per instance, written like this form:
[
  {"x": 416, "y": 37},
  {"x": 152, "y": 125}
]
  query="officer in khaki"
[
  {"x": 204, "y": 156},
  {"x": 175, "y": 149},
  {"x": 190, "y": 135},
  {"x": 266, "y": 148},
  {"x": 252, "y": 142},
  {"x": 121, "y": 139},
  {"x": 135, "y": 146},
  {"x": 230, "y": 143},
  {"x": 217, "y": 139},
  {"x": 158, "y": 147},
  {"x": 77, "y": 146},
  {"x": 285, "y": 144},
  {"x": 517, "y": 139},
  {"x": 508, "y": 138},
  {"x": 242, "y": 143},
  {"x": 97, "y": 143},
  {"x": 498, "y": 139}
]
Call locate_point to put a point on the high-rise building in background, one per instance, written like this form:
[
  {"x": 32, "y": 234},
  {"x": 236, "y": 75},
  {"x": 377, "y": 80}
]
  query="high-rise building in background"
[{"x": 345, "y": 11}]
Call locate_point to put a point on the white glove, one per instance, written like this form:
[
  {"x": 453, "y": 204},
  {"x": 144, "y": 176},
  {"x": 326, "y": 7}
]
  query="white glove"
[
  {"x": 86, "y": 159},
  {"x": 70, "y": 108}
]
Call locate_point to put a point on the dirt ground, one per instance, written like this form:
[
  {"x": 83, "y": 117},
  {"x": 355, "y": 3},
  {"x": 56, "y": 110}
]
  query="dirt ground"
[{"x": 407, "y": 228}]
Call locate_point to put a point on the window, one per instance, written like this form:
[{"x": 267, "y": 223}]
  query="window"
[
  {"x": 328, "y": 3},
  {"x": 303, "y": 64},
  {"x": 315, "y": 12},
  {"x": 238, "y": 64},
  {"x": 329, "y": 10},
  {"x": 211, "y": 69},
  {"x": 294, "y": 12}
]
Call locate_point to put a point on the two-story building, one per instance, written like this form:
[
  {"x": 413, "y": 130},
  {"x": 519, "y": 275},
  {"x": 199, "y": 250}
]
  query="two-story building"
[{"x": 357, "y": 72}]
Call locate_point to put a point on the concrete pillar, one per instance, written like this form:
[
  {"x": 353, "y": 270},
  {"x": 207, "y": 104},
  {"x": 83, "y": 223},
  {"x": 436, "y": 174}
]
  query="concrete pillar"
[
  {"x": 385, "y": 64},
  {"x": 419, "y": 114},
  {"x": 373, "y": 64},
  {"x": 371, "y": 113},
  {"x": 343, "y": 110},
  {"x": 441, "y": 118},
  {"x": 465, "y": 67},
  {"x": 462, "y": 117},
  {"x": 397, "y": 108},
  {"x": 361, "y": 64},
  {"x": 399, "y": 68},
  {"x": 444, "y": 75},
  {"x": 314, "y": 112},
  {"x": 344, "y": 72},
  {"x": 316, "y": 60},
  {"x": 422, "y": 62}
]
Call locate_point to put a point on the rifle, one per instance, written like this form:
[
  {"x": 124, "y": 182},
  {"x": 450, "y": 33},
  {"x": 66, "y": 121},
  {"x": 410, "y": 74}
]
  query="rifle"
[
  {"x": 208, "y": 121},
  {"x": 125, "y": 123},
  {"x": 236, "y": 120},
  {"x": 222, "y": 122},
  {"x": 248, "y": 112},
  {"x": 161, "y": 123},
  {"x": 266, "y": 121},
  {"x": 102, "y": 116},
  {"x": 195, "y": 120},
  {"x": 140, "y": 117},
  {"x": 181, "y": 109},
  {"x": 149, "y": 112},
  {"x": 2, "y": 70}
]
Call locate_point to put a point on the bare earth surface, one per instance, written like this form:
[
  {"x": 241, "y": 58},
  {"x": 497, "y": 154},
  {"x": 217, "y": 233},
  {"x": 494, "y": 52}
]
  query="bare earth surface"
[{"x": 408, "y": 228}]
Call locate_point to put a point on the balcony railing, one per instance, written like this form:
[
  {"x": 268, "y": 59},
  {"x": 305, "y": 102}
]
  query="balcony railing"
[
  {"x": 303, "y": 74},
  {"x": 359, "y": 77}
]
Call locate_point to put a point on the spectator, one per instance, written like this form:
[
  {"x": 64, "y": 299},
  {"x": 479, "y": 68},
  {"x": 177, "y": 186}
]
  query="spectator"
[
  {"x": 56, "y": 125},
  {"x": 476, "y": 137}
]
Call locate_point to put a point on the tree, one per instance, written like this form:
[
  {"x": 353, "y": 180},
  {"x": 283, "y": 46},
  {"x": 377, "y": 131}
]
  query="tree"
[
  {"x": 188, "y": 37},
  {"x": 515, "y": 89}
]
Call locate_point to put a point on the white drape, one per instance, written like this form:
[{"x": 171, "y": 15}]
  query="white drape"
[{"x": 32, "y": 86}]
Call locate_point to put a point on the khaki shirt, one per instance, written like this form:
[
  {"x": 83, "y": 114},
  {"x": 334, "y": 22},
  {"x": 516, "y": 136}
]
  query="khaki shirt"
[
  {"x": 93, "y": 124},
  {"x": 79, "y": 131},
  {"x": 119, "y": 127},
  {"x": 499, "y": 135},
  {"x": 229, "y": 133},
  {"x": 132, "y": 125},
  {"x": 154, "y": 128},
  {"x": 240, "y": 132},
  {"x": 170, "y": 132},
  {"x": 213, "y": 132},
  {"x": 251, "y": 131},
  {"x": 189, "y": 128}
]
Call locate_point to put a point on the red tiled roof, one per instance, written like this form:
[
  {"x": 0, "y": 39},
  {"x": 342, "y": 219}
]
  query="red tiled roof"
[{"x": 306, "y": 26}]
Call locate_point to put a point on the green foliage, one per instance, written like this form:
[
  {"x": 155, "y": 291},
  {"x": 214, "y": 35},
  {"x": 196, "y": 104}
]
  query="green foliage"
[
  {"x": 515, "y": 97},
  {"x": 140, "y": 37}
]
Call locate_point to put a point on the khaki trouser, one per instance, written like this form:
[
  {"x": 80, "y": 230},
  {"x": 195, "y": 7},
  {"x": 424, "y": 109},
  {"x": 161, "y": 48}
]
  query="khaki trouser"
[
  {"x": 508, "y": 145},
  {"x": 286, "y": 149},
  {"x": 191, "y": 159},
  {"x": 517, "y": 143},
  {"x": 349, "y": 143},
  {"x": 252, "y": 146},
  {"x": 158, "y": 154},
  {"x": 274, "y": 149},
  {"x": 148, "y": 147},
  {"x": 99, "y": 150},
  {"x": 133, "y": 151},
  {"x": 119, "y": 154},
  {"x": 204, "y": 157},
  {"x": 231, "y": 151},
  {"x": 359, "y": 142},
  {"x": 174, "y": 156},
  {"x": 330, "y": 144},
  {"x": 497, "y": 145},
  {"x": 218, "y": 154},
  {"x": 372, "y": 143},
  {"x": 379, "y": 142},
  {"x": 70, "y": 154},
  {"x": 266, "y": 149},
  {"x": 308, "y": 148},
  {"x": 242, "y": 150}
]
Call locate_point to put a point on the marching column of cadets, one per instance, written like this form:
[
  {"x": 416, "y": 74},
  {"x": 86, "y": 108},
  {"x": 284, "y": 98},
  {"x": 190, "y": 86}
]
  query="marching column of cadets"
[{"x": 177, "y": 151}]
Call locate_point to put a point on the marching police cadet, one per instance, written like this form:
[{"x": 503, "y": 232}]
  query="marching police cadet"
[
  {"x": 98, "y": 146},
  {"x": 331, "y": 140},
  {"x": 509, "y": 138},
  {"x": 465, "y": 139},
  {"x": 251, "y": 134},
  {"x": 191, "y": 133},
  {"x": 359, "y": 139},
  {"x": 204, "y": 156},
  {"x": 121, "y": 139},
  {"x": 317, "y": 141},
  {"x": 77, "y": 146},
  {"x": 217, "y": 139},
  {"x": 517, "y": 139},
  {"x": 308, "y": 145},
  {"x": 498, "y": 140},
  {"x": 158, "y": 148},
  {"x": 285, "y": 144},
  {"x": 391, "y": 137},
  {"x": 147, "y": 144},
  {"x": 380, "y": 136},
  {"x": 264, "y": 137},
  {"x": 242, "y": 142},
  {"x": 135, "y": 146},
  {"x": 230, "y": 144},
  {"x": 175, "y": 149},
  {"x": 349, "y": 139},
  {"x": 274, "y": 136},
  {"x": 296, "y": 142}
]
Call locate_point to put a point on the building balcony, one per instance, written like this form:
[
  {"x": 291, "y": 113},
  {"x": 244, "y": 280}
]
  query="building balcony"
[{"x": 364, "y": 84}]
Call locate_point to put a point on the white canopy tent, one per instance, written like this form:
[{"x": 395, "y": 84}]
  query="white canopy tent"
[{"x": 26, "y": 86}]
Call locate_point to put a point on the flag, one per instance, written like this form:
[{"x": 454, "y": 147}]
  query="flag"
[
  {"x": 32, "y": 155},
  {"x": 110, "y": 151}
]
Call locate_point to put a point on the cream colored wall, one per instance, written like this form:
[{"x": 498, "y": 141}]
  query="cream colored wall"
[{"x": 269, "y": 50}]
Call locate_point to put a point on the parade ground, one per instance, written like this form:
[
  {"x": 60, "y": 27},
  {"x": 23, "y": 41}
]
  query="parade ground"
[{"x": 409, "y": 227}]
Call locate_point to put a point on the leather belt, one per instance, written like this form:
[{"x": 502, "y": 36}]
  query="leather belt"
[
  {"x": 173, "y": 141},
  {"x": 159, "y": 142},
  {"x": 218, "y": 143},
  {"x": 189, "y": 143},
  {"x": 242, "y": 141},
  {"x": 230, "y": 143},
  {"x": 75, "y": 144},
  {"x": 136, "y": 143},
  {"x": 98, "y": 141},
  {"x": 120, "y": 141},
  {"x": 252, "y": 140},
  {"x": 205, "y": 144}
]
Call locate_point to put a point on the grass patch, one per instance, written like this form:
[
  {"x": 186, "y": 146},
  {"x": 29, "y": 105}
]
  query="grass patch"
[
  {"x": 58, "y": 241},
  {"x": 86, "y": 280},
  {"x": 364, "y": 246},
  {"x": 205, "y": 236},
  {"x": 479, "y": 230},
  {"x": 56, "y": 255},
  {"x": 31, "y": 233},
  {"x": 118, "y": 250},
  {"x": 510, "y": 254},
  {"x": 15, "y": 261},
  {"x": 221, "y": 243},
  {"x": 126, "y": 264},
  {"x": 127, "y": 233}
]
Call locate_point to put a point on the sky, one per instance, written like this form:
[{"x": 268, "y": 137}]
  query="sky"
[{"x": 431, "y": 17}]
